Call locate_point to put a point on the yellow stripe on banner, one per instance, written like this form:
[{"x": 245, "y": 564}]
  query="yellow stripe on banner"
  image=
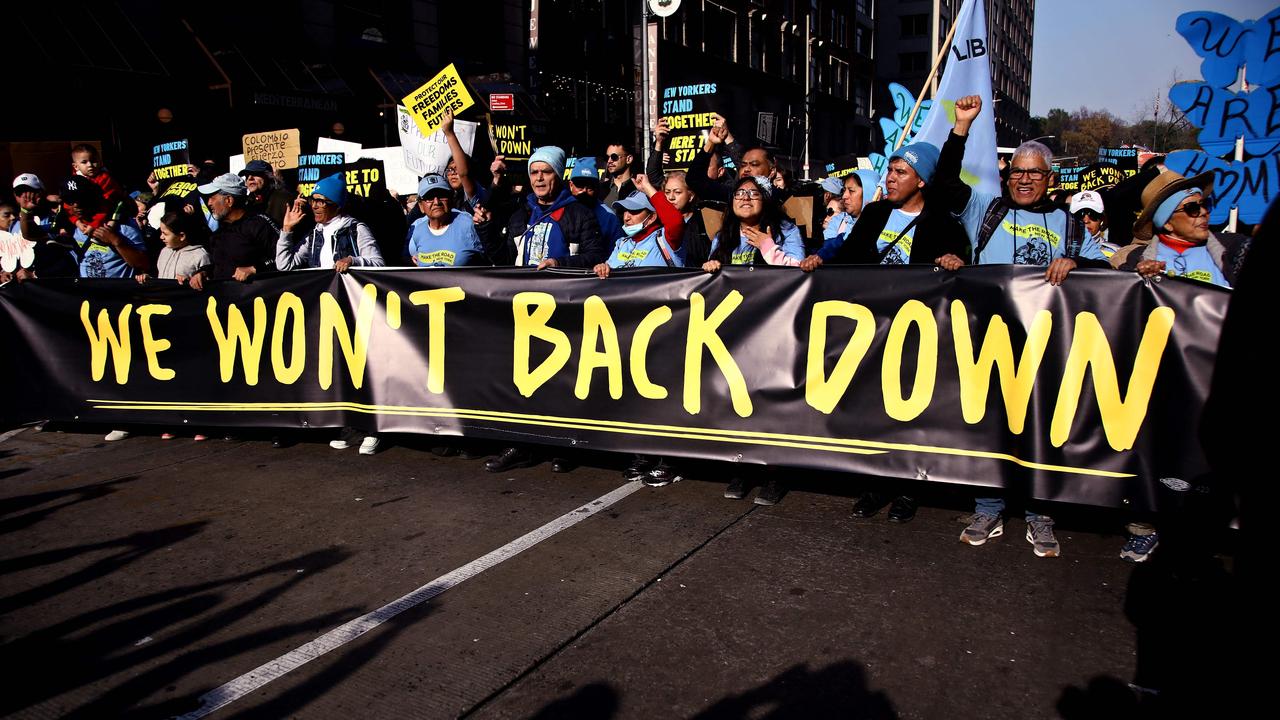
[{"x": 807, "y": 442}]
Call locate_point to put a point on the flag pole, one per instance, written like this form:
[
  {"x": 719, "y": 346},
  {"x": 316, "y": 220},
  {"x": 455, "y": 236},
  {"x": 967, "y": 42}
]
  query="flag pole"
[{"x": 937, "y": 61}]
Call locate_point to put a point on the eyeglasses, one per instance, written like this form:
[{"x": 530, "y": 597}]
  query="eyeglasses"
[
  {"x": 320, "y": 202},
  {"x": 435, "y": 197},
  {"x": 1088, "y": 214},
  {"x": 747, "y": 194},
  {"x": 1032, "y": 174},
  {"x": 615, "y": 157},
  {"x": 830, "y": 212},
  {"x": 1192, "y": 209}
]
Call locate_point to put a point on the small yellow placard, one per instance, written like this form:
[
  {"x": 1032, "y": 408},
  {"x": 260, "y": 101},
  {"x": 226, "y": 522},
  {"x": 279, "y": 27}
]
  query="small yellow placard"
[{"x": 445, "y": 91}]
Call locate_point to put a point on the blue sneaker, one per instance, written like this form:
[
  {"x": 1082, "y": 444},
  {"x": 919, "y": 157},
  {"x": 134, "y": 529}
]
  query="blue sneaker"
[{"x": 1139, "y": 547}]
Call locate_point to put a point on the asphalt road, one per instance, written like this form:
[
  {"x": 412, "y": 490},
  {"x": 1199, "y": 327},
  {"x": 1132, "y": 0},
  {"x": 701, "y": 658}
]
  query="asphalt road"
[{"x": 140, "y": 578}]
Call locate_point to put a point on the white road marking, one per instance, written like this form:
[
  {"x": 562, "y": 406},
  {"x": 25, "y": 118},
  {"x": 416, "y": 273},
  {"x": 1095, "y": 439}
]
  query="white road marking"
[{"x": 251, "y": 681}]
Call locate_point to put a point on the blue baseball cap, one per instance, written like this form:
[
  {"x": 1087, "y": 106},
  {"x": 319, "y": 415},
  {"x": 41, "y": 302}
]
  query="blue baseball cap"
[
  {"x": 634, "y": 202},
  {"x": 585, "y": 169},
  {"x": 433, "y": 183}
]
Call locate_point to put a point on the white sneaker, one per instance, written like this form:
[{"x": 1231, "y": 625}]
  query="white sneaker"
[
  {"x": 115, "y": 435},
  {"x": 345, "y": 440},
  {"x": 369, "y": 445}
]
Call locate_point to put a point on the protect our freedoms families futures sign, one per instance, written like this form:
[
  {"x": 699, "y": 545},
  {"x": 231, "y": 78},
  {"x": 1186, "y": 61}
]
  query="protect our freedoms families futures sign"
[{"x": 445, "y": 91}]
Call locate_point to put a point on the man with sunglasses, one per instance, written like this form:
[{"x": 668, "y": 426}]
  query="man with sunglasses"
[
  {"x": 244, "y": 243},
  {"x": 1172, "y": 234},
  {"x": 1023, "y": 227},
  {"x": 617, "y": 167}
]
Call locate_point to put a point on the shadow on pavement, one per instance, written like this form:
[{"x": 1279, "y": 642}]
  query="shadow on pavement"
[
  {"x": 118, "y": 639},
  {"x": 597, "y": 701},
  {"x": 838, "y": 690},
  {"x": 132, "y": 548},
  {"x": 74, "y": 496}
]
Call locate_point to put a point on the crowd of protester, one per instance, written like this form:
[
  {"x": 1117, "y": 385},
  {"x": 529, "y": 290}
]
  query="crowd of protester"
[{"x": 235, "y": 226}]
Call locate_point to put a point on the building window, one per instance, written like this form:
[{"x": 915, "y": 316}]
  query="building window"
[
  {"x": 755, "y": 44},
  {"x": 913, "y": 62},
  {"x": 862, "y": 40},
  {"x": 864, "y": 7},
  {"x": 719, "y": 31},
  {"x": 914, "y": 25},
  {"x": 861, "y": 103},
  {"x": 673, "y": 29},
  {"x": 838, "y": 78}
]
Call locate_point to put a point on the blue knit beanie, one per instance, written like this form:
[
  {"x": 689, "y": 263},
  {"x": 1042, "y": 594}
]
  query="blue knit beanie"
[
  {"x": 333, "y": 188},
  {"x": 921, "y": 156},
  {"x": 551, "y": 155}
]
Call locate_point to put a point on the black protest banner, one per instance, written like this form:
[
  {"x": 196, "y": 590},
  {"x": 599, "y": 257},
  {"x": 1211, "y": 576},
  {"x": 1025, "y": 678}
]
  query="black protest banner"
[
  {"x": 841, "y": 166},
  {"x": 689, "y": 109},
  {"x": 514, "y": 139},
  {"x": 314, "y": 168},
  {"x": 180, "y": 189},
  {"x": 366, "y": 177},
  {"x": 988, "y": 376},
  {"x": 171, "y": 160},
  {"x": 1099, "y": 175}
]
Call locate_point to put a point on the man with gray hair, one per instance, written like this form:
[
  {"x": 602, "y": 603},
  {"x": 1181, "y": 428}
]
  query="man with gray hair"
[
  {"x": 244, "y": 243},
  {"x": 1022, "y": 227}
]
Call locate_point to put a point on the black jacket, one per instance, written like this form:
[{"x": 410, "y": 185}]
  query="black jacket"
[
  {"x": 251, "y": 240},
  {"x": 936, "y": 234},
  {"x": 578, "y": 223}
]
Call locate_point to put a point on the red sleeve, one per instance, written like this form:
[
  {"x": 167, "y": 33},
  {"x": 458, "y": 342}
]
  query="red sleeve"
[{"x": 671, "y": 219}]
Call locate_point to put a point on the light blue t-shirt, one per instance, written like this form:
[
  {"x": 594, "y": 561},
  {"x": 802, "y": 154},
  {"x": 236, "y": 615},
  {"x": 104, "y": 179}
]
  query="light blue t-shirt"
[
  {"x": 1195, "y": 264},
  {"x": 893, "y": 227},
  {"x": 628, "y": 253},
  {"x": 1024, "y": 237},
  {"x": 792, "y": 246},
  {"x": 102, "y": 261},
  {"x": 457, "y": 246}
]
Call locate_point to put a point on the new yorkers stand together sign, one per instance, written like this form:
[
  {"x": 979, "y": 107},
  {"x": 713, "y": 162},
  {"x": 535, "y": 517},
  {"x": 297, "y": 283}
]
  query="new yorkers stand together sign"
[{"x": 988, "y": 376}]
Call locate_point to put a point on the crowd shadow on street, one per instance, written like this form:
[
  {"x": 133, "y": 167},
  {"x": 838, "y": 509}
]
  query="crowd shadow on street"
[
  {"x": 837, "y": 690},
  {"x": 146, "y": 643},
  {"x": 11, "y": 522}
]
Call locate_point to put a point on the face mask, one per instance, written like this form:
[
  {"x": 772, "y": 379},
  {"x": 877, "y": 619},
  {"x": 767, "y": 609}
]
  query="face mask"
[{"x": 632, "y": 230}]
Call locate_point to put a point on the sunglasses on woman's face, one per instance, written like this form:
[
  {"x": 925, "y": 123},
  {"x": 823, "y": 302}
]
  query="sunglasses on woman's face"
[
  {"x": 1088, "y": 215},
  {"x": 830, "y": 212},
  {"x": 1193, "y": 208}
]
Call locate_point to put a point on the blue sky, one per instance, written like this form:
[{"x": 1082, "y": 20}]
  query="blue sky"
[{"x": 1115, "y": 55}]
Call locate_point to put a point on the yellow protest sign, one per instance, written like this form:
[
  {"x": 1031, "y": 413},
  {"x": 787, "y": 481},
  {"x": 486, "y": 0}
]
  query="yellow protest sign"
[
  {"x": 278, "y": 148},
  {"x": 445, "y": 91}
]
